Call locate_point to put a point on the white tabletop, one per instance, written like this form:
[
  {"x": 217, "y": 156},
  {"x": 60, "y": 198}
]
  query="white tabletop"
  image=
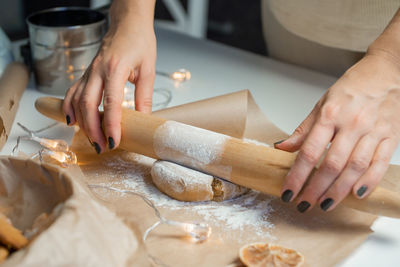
[{"x": 285, "y": 93}]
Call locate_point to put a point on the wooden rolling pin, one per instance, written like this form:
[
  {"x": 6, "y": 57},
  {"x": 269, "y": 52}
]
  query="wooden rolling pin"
[
  {"x": 12, "y": 85},
  {"x": 247, "y": 164}
]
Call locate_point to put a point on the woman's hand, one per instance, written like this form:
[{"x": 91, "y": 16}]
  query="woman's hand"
[
  {"x": 127, "y": 53},
  {"x": 359, "y": 117}
]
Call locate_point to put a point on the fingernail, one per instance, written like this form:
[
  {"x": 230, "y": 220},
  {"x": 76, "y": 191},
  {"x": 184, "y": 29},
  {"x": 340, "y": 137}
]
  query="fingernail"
[
  {"x": 326, "y": 204},
  {"x": 277, "y": 143},
  {"x": 90, "y": 141},
  {"x": 362, "y": 190},
  {"x": 68, "y": 119},
  {"x": 111, "y": 143},
  {"x": 303, "y": 206},
  {"x": 287, "y": 195},
  {"x": 97, "y": 147}
]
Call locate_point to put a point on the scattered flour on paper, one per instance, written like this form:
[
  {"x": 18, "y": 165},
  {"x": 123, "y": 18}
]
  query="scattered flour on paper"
[{"x": 250, "y": 212}]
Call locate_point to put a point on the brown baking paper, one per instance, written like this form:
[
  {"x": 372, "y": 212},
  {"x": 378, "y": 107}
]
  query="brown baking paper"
[
  {"x": 324, "y": 238},
  {"x": 81, "y": 233},
  {"x": 12, "y": 85}
]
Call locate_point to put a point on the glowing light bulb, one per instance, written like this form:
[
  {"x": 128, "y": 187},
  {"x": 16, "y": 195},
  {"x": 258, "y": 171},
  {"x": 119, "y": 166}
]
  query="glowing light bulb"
[
  {"x": 55, "y": 145},
  {"x": 58, "y": 157},
  {"x": 181, "y": 75},
  {"x": 53, "y": 150},
  {"x": 128, "y": 103},
  {"x": 200, "y": 232}
]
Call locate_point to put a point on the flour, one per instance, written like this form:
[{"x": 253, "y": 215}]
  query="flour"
[
  {"x": 190, "y": 146},
  {"x": 243, "y": 213},
  {"x": 255, "y": 142},
  {"x": 248, "y": 213}
]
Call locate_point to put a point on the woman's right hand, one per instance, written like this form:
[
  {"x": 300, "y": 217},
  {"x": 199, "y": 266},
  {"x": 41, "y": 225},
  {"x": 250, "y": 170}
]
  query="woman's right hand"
[{"x": 127, "y": 53}]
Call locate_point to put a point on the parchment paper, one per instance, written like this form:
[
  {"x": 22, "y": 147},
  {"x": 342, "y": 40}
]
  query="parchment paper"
[
  {"x": 84, "y": 233},
  {"x": 12, "y": 84},
  {"x": 324, "y": 238}
]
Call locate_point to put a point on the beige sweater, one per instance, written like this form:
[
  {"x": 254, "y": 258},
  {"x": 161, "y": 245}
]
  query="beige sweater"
[{"x": 347, "y": 24}]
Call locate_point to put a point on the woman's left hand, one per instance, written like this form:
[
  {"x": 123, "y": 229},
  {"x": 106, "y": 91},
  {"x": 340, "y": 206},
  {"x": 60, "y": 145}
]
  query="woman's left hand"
[{"x": 359, "y": 117}]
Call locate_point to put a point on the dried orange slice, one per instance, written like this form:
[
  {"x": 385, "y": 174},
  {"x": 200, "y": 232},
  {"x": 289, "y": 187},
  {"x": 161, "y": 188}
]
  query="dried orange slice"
[{"x": 269, "y": 255}]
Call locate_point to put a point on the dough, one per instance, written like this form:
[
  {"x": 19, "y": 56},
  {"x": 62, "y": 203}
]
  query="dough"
[
  {"x": 185, "y": 184},
  {"x": 268, "y": 255}
]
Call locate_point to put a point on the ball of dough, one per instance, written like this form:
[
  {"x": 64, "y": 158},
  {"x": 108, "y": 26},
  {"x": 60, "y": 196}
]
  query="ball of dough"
[{"x": 185, "y": 184}]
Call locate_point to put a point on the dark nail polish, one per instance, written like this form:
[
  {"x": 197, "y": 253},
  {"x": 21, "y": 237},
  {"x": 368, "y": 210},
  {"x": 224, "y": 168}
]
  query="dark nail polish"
[
  {"x": 97, "y": 147},
  {"x": 326, "y": 204},
  {"x": 277, "y": 143},
  {"x": 68, "y": 119},
  {"x": 111, "y": 143},
  {"x": 362, "y": 190},
  {"x": 287, "y": 195},
  {"x": 303, "y": 206}
]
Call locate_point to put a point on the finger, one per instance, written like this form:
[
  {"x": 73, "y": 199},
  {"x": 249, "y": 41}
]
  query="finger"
[
  {"x": 67, "y": 104},
  {"x": 331, "y": 167},
  {"x": 296, "y": 139},
  {"x": 356, "y": 166},
  {"x": 89, "y": 103},
  {"x": 309, "y": 155},
  {"x": 380, "y": 163},
  {"x": 144, "y": 90},
  {"x": 75, "y": 105},
  {"x": 112, "y": 102}
]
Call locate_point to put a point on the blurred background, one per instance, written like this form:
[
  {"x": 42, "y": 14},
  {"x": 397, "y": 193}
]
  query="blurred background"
[{"x": 232, "y": 22}]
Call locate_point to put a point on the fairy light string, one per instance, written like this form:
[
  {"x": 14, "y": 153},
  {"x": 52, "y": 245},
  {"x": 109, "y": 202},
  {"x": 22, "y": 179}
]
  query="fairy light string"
[
  {"x": 54, "y": 151},
  {"x": 198, "y": 231},
  {"x": 178, "y": 77}
]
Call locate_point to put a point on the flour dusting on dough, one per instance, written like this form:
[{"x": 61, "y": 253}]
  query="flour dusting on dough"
[
  {"x": 190, "y": 146},
  {"x": 182, "y": 183},
  {"x": 186, "y": 184}
]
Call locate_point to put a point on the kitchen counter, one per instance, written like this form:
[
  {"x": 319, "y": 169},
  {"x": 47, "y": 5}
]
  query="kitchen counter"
[{"x": 285, "y": 93}]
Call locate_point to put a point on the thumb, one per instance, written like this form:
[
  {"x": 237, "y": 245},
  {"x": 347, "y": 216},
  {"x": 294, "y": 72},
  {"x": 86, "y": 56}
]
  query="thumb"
[{"x": 296, "y": 139}]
